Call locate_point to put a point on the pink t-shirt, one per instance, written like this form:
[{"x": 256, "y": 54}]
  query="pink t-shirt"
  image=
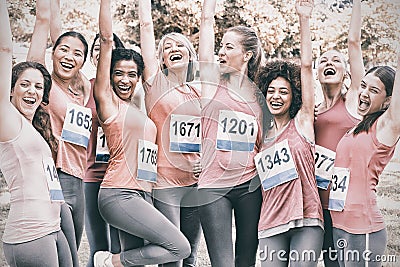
[
  {"x": 71, "y": 158},
  {"x": 329, "y": 128},
  {"x": 32, "y": 214},
  {"x": 298, "y": 198},
  {"x": 227, "y": 168},
  {"x": 366, "y": 158},
  {"x": 95, "y": 171},
  {"x": 123, "y": 132},
  {"x": 162, "y": 102}
]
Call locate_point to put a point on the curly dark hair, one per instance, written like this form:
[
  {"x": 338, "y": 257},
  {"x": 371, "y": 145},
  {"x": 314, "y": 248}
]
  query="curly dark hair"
[
  {"x": 287, "y": 70},
  {"x": 41, "y": 119}
]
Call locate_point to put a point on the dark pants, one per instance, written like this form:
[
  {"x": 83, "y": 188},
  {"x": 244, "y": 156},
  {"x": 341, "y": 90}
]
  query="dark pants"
[{"x": 216, "y": 219}]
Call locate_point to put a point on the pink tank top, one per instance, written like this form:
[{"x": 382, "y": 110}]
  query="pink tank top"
[
  {"x": 123, "y": 132},
  {"x": 71, "y": 158},
  {"x": 298, "y": 198},
  {"x": 95, "y": 171},
  {"x": 162, "y": 103},
  {"x": 32, "y": 214},
  {"x": 366, "y": 158},
  {"x": 329, "y": 128},
  {"x": 227, "y": 168}
]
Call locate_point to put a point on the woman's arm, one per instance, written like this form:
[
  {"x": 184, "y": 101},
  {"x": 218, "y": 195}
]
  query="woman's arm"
[
  {"x": 106, "y": 103},
  {"x": 55, "y": 20},
  {"x": 305, "y": 117},
  {"x": 9, "y": 117},
  {"x": 209, "y": 70},
  {"x": 147, "y": 39},
  {"x": 388, "y": 125},
  {"x": 357, "y": 70},
  {"x": 37, "y": 49}
]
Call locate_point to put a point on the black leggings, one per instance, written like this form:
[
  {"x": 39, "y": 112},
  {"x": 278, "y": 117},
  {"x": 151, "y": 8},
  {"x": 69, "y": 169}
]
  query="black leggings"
[{"x": 216, "y": 219}]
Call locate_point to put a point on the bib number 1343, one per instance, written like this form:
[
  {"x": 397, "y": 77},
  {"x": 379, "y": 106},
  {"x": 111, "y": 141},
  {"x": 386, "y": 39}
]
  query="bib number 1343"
[
  {"x": 275, "y": 165},
  {"x": 339, "y": 188}
]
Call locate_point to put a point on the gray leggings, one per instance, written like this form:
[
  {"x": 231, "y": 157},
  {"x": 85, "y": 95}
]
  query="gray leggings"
[
  {"x": 360, "y": 249},
  {"x": 50, "y": 250},
  {"x": 180, "y": 206},
  {"x": 299, "y": 246},
  {"x": 138, "y": 220},
  {"x": 100, "y": 235},
  {"x": 72, "y": 212}
]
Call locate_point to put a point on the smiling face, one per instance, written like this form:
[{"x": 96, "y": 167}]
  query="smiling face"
[
  {"x": 124, "y": 79},
  {"x": 231, "y": 56},
  {"x": 372, "y": 95},
  {"x": 68, "y": 57},
  {"x": 175, "y": 54},
  {"x": 279, "y": 97},
  {"x": 331, "y": 68},
  {"x": 28, "y": 91}
]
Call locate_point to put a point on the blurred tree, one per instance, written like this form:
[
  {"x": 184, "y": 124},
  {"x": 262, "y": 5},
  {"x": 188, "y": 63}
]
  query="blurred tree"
[{"x": 275, "y": 22}]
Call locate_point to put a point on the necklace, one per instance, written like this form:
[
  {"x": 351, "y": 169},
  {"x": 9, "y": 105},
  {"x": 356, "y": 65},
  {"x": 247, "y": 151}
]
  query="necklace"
[{"x": 72, "y": 91}]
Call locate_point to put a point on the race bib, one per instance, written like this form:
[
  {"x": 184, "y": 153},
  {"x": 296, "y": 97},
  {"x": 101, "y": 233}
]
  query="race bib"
[
  {"x": 324, "y": 160},
  {"x": 275, "y": 165},
  {"x": 102, "y": 152},
  {"x": 53, "y": 182},
  {"x": 184, "y": 134},
  {"x": 147, "y": 161},
  {"x": 77, "y": 125},
  {"x": 339, "y": 187},
  {"x": 237, "y": 131}
]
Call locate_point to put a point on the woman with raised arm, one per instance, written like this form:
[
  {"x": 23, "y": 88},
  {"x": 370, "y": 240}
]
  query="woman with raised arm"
[
  {"x": 124, "y": 196},
  {"x": 291, "y": 215},
  {"x": 174, "y": 106},
  {"x": 71, "y": 121},
  {"x": 361, "y": 156},
  {"x": 336, "y": 115},
  {"x": 231, "y": 132},
  {"x": 100, "y": 235},
  {"x": 26, "y": 147}
]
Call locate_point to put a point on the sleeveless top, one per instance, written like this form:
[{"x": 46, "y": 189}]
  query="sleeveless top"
[
  {"x": 32, "y": 214},
  {"x": 330, "y": 126},
  {"x": 227, "y": 168},
  {"x": 294, "y": 203},
  {"x": 163, "y": 102},
  {"x": 123, "y": 131},
  {"x": 366, "y": 158}
]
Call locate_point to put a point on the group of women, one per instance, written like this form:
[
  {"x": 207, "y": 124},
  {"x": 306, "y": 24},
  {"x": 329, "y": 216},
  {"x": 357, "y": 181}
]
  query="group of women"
[{"x": 245, "y": 138}]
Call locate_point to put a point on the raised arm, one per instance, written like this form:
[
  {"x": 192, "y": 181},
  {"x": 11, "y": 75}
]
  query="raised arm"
[
  {"x": 209, "y": 70},
  {"x": 55, "y": 20},
  {"x": 357, "y": 70},
  {"x": 306, "y": 113},
  {"x": 388, "y": 128},
  {"x": 106, "y": 102},
  {"x": 8, "y": 114},
  {"x": 147, "y": 39},
  {"x": 37, "y": 49}
]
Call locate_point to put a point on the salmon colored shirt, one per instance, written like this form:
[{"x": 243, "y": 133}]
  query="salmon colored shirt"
[
  {"x": 71, "y": 158},
  {"x": 123, "y": 131},
  {"x": 162, "y": 100},
  {"x": 32, "y": 214},
  {"x": 226, "y": 168},
  {"x": 95, "y": 171},
  {"x": 366, "y": 158},
  {"x": 296, "y": 199},
  {"x": 330, "y": 126}
]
